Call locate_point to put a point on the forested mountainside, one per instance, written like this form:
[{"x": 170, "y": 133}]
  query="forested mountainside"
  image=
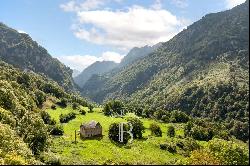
[
  {"x": 137, "y": 53},
  {"x": 204, "y": 71},
  {"x": 24, "y": 127},
  {"x": 111, "y": 68},
  {"x": 21, "y": 51},
  {"x": 96, "y": 68}
]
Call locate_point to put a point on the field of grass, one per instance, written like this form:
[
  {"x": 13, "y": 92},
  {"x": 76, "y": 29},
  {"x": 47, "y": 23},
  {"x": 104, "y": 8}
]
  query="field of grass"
[{"x": 102, "y": 150}]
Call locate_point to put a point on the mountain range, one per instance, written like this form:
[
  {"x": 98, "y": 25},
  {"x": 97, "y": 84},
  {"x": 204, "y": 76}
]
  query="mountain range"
[
  {"x": 100, "y": 68},
  {"x": 211, "y": 55}
]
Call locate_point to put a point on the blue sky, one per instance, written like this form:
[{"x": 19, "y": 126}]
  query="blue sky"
[{"x": 80, "y": 32}]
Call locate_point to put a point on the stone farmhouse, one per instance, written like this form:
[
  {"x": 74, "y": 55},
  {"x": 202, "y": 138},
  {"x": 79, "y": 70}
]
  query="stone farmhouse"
[{"x": 90, "y": 129}]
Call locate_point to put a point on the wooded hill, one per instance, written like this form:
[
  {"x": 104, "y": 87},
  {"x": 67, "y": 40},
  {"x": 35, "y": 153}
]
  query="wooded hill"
[{"x": 203, "y": 71}]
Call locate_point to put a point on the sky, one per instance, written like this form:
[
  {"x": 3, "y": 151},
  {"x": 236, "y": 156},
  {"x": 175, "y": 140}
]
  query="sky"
[{"x": 80, "y": 32}]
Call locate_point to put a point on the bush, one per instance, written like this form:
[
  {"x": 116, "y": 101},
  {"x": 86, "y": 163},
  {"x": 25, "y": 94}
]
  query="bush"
[
  {"x": 202, "y": 157},
  {"x": 90, "y": 107},
  {"x": 40, "y": 97},
  {"x": 63, "y": 103},
  {"x": 75, "y": 106},
  {"x": 169, "y": 147},
  {"x": 138, "y": 127},
  {"x": 187, "y": 128},
  {"x": 114, "y": 133},
  {"x": 188, "y": 145},
  {"x": 201, "y": 133},
  {"x": 171, "y": 131},
  {"x": 52, "y": 122},
  {"x": 229, "y": 153},
  {"x": 56, "y": 130},
  {"x": 46, "y": 117},
  {"x": 240, "y": 130},
  {"x": 82, "y": 112},
  {"x": 53, "y": 107},
  {"x": 50, "y": 158},
  {"x": 64, "y": 118},
  {"x": 155, "y": 130},
  {"x": 113, "y": 107},
  {"x": 179, "y": 117}
]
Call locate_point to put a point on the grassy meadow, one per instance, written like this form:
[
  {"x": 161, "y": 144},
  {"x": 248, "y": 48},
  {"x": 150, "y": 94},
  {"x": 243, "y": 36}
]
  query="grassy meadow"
[{"x": 102, "y": 150}]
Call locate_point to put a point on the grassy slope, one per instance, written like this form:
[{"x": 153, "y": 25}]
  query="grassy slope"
[{"x": 102, "y": 151}]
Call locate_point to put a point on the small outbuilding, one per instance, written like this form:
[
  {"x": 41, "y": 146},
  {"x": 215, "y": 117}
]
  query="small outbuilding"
[{"x": 90, "y": 129}]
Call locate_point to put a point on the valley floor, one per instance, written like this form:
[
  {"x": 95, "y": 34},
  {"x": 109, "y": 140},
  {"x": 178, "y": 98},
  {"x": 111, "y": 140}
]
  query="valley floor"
[{"x": 102, "y": 150}]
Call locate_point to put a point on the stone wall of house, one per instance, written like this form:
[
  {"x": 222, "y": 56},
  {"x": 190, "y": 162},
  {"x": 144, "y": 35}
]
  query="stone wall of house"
[{"x": 90, "y": 132}]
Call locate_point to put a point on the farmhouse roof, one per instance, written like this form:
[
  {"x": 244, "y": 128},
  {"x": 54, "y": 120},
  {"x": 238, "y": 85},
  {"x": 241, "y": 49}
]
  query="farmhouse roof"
[{"x": 91, "y": 125}]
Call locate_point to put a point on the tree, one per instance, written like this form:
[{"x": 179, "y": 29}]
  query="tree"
[
  {"x": 229, "y": 153},
  {"x": 114, "y": 133},
  {"x": 171, "y": 131},
  {"x": 240, "y": 130},
  {"x": 75, "y": 105},
  {"x": 63, "y": 102},
  {"x": 46, "y": 117},
  {"x": 91, "y": 107},
  {"x": 114, "y": 107},
  {"x": 201, "y": 133},
  {"x": 56, "y": 130},
  {"x": 178, "y": 117},
  {"x": 187, "y": 128},
  {"x": 40, "y": 97},
  {"x": 82, "y": 112},
  {"x": 138, "y": 127},
  {"x": 155, "y": 130}
]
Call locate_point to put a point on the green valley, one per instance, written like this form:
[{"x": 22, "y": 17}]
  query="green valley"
[{"x": 179, "y": 101}]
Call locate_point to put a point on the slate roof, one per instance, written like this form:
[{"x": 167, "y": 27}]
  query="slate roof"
[{"x": 91, "y": 125}]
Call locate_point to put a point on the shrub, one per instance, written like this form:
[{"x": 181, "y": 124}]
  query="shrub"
[
  {"x": 188, "y": 145},
  {"x": 82, "y": 112},
  {"x": 114, "y": 133},
  {"x": 113, "y": 107},
  {"x": 169, "y": 147},
  {"x": 201, "y": 133},
  {"x": 171, "y": 131},
  {"x": 203, "y": 157},
  {"x": 52, "y": 122},
  {"x": 187, "y": 128},
  {"x": 40, "y": 97},
  {"x": 50, "y": 158},
  {"x": 179, "y": 117},
  {"x": 240, "y": 130},
  {"x": 53, "y": 107},
  {"x": 229, "y": 153},
  {"x": 138, "y": 127},
  {"x": 64, "y": 118},
  {"x": 75, "y": 106},
  {"x": 63, "y": 102},
  {"x": 56, "y": 130},
  {"x": 46, "y": 117},
  {"x": 155, "y": 130},
  {"x": 90, "y": 107}
]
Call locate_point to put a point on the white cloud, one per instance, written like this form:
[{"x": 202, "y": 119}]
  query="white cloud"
[
  {"x": 79, "y": 5},
  {"x": 136, "y": 26},
  {"x": 80, "y": 62},
  {"x": 180, "y": 3},
  {"x": 21, "y": 31},
  {"x": 232, "y": 3}
]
